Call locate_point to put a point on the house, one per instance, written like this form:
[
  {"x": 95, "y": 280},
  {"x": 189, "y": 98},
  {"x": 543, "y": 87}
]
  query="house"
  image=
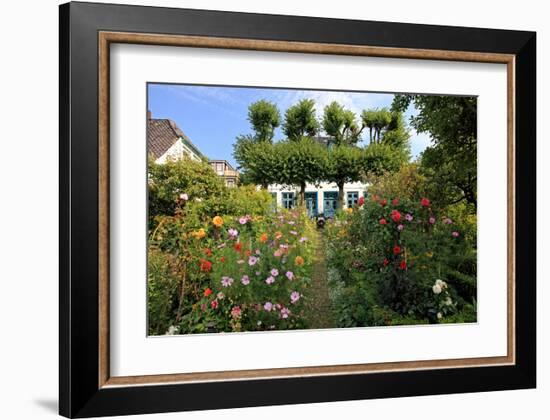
[
  {"x": 224, "y": 169},
  {"x": 165, "y": 141},
  {"x": 320, "y": 198}
]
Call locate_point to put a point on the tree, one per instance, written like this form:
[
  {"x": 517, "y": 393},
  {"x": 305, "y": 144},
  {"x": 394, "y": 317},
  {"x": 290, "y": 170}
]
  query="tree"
[
  {"x": 257, "y": 159},
  {"x": 303, "y": 160},
  {"x": 376, "y": 120},
  {"x": 450, "y": 164},
  {"x": 345, "y": 164},
  {"x": 264, "y": 118},
  {"x": 300, "y": 120},
  {"x": 341, "y": 124}
]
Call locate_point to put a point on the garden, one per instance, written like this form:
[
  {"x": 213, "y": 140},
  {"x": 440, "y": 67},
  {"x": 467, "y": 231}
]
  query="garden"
[{"x": 226, "y": 259}]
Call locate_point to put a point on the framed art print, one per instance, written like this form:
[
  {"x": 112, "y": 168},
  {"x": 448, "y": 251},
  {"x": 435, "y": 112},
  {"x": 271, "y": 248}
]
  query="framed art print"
[{"x": 280, "y": 209}]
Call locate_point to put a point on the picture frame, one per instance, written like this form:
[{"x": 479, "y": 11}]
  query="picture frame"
[{"x": 87, "y": 31}]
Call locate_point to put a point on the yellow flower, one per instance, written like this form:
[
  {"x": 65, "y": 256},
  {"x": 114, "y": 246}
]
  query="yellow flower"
[
  {"x": 349, "y": 210},
  {"x": 263, "y": 237},
  {"x": 299, "y": 260},
  {"x": 218, "y": 221},
  {"x": 429, "y": 254},
  {"x": 199, "y": 234}
]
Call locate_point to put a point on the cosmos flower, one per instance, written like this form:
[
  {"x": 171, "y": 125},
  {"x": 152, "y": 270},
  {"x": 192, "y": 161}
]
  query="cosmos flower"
[
  {"x": 294, "y": 297},
  {"x": 245, "y": 280},
  {"x": 252, "y": 260}
]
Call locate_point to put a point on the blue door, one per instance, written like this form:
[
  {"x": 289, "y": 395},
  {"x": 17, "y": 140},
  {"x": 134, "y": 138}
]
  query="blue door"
[
  {"x": 330, "y": 203},
  {"x": 311, "y": 203}
]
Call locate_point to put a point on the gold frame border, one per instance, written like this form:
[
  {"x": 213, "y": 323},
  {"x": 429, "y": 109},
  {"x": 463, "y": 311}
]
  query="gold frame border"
[{"x": 106, "y": 38}]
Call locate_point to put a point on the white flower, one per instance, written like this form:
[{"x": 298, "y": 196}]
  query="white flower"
[
  {"x": 439, "y": 315},
  {"x": 436, "y": 289},
  {"x": 441, "y": 283},
  {"x": 198, "y": 200},
  {"x": 184, "y": 197},
  {"x": 172, "y": 330}
]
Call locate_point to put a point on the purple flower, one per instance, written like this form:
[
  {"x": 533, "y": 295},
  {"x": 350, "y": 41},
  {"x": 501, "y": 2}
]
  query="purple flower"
[
  {"x": 448, "y": 221},
  {"x": 245, "y": 280},
  {"x": 258, "y": 273},
  {"x": 243, "y": 220},
  {"x": 274, "y": 272},
  {"x": 431, "y": 220},
  {"x": 233, "y": 233},
  {"x": 400, "y": 227},
  {"x": 285, "y": 312},
  {"x": 289, "y": 275},
  {"x": 408, "y": 217},
  {"x": 227, "y": 281},
  {"x": 270, "y": 280},
  {"x": 294, "y": 297},
  {"x": 455, "y": 234},
  {"x": 268, "y": 306},
  {"x": 252, "y": 260}
]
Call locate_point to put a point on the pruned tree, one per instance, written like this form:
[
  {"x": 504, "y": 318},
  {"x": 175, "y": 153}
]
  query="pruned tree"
[
  {"x": 341, "y": 124},
  {"x": 264, "y": 117},
  {"x": 376, "y": 120},
  {"x": 345, "y": 164},
  {"x": 300, "y": 120},
  {"x": 257, "y": 160}
]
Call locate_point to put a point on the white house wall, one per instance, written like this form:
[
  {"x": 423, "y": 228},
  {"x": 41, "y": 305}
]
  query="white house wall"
[
  {"x": 177, "y": 152},
  {"x": 358, "y": 187}
]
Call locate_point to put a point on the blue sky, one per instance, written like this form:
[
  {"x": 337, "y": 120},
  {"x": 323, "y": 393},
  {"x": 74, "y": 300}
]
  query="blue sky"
[{"x": 212, "y": 116}]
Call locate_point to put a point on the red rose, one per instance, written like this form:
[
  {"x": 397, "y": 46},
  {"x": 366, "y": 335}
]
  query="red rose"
[
  {"x": 361, "y": 201},
  {"x": 383, "y": 202},
  {"x": 214, "y": 304},
  {"x": 206, "y": 266},
  {"x": 383, "y": 221},
  {"x": 395, "y": 202},
  {"x": 396, "y": 249},
  {"x": 395, "y": 216},
  {"x": 403, "y": 265},
  {"x": 238, "y": 246},
  {"x": 386, "y": 262},
  {"x": 207, "y": 292},
  {"x": 425, "y": 202}
]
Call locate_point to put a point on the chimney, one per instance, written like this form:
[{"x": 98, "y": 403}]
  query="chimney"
[{"x": 149, "y": 115}]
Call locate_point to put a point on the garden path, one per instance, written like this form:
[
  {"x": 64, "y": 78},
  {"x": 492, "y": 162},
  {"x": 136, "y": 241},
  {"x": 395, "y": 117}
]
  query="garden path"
[{"x": 319, "y": 310}]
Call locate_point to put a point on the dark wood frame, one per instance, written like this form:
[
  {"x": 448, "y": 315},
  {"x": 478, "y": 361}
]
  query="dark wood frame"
[{"x": 86, "y": 31}]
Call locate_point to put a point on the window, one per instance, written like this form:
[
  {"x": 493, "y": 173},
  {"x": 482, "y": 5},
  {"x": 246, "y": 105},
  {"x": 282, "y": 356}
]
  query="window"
[
  {"x": 219, "y": 167},
  {"x": 288, "y": 200},
  {"x": 353, "y": 197},
  {"x": 230, "y": 183}
]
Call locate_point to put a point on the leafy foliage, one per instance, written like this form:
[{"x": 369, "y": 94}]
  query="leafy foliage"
[
  {"x": 340, "y": 124},
  {"x": 264, "y": 117},
  {"x": 300, "y": 120}
]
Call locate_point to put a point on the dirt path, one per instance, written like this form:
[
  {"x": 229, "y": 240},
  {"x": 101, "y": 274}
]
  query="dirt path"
[{"x": 319, "y": 311}]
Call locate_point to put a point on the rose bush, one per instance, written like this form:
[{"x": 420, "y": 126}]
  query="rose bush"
[{"x": 386, "y": 255}]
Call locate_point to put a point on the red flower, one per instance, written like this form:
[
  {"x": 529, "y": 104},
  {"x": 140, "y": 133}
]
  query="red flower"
[
  {"x": 395, "y": 216},
  {"x": 395, "y": 202},
  {"x": 207, "y": 292},
  {"x": 396, "y": 249},
  {"x": 208, "y": 252},
  {"x": 248, "y": 252},
  {"x": 383, "y": 202},
  {"x": 214, "y": 304},
  {"x": 403, "y": 265},
  {"x": 386, "y": 262},
  {"x": 238, "y": 246},
  {"x": 361, "y": 201},
  {"x": 374, "y": 197},
  {"x": 425, "y": 202},
  {"x": 383, "y": 221},
  {"x": 222, "y": 259},
  {"x": 206, "y": 266}
]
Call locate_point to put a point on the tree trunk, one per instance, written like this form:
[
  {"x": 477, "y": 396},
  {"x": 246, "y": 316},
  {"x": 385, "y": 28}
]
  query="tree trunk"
[
  {"x": 340, "y": 195},
  {"x": 302, "y": 193}
]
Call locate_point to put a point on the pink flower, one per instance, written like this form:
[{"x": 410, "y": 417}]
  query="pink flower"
[
  {"x": 278, "y": 253},
  {"x": 233, "y": 233},
  {"x": 285, "y": 312},
  {"x": 400, "y": 227},
  {"x": 243, "y": 220},
  {"x": 294, "y": 297},
  {"x": 408, "y": 217},
  {"x": 383, "y": 221},
  {"x": 455, "y": 234},
  {"x": 268, "y": 306},
  {"x": 184, "y": 197},
  {"x": 270, "y": 280},
  {"x": 303, "y": 239},
  {"x": 245, "y": 280},
  {"x": 425, "y": 202},
  {"x": 431, "y": 220},
  {"x": 252, "y": 260},
  {"x": 227, "y": 281},
  {"x": 289, "y": 275},
  {"x": 236, "y": 312},
  {"x": 258, "y": 252},
  {"x": 448, "y": 221},
  {"x": 274, "y": 272}
]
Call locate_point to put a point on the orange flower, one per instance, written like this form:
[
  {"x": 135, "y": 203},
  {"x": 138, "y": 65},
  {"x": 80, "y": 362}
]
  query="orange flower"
[
  {"x": 263, "y": 237},
  {"x": 199, "y": 234},
  {"x": 299, "y": 261},
  {"x": 248, "y": 252},
  {"x": 207, "y": 292},
  {"x": 278, "y": 235},
  {"x": 218, "y": 221}
]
